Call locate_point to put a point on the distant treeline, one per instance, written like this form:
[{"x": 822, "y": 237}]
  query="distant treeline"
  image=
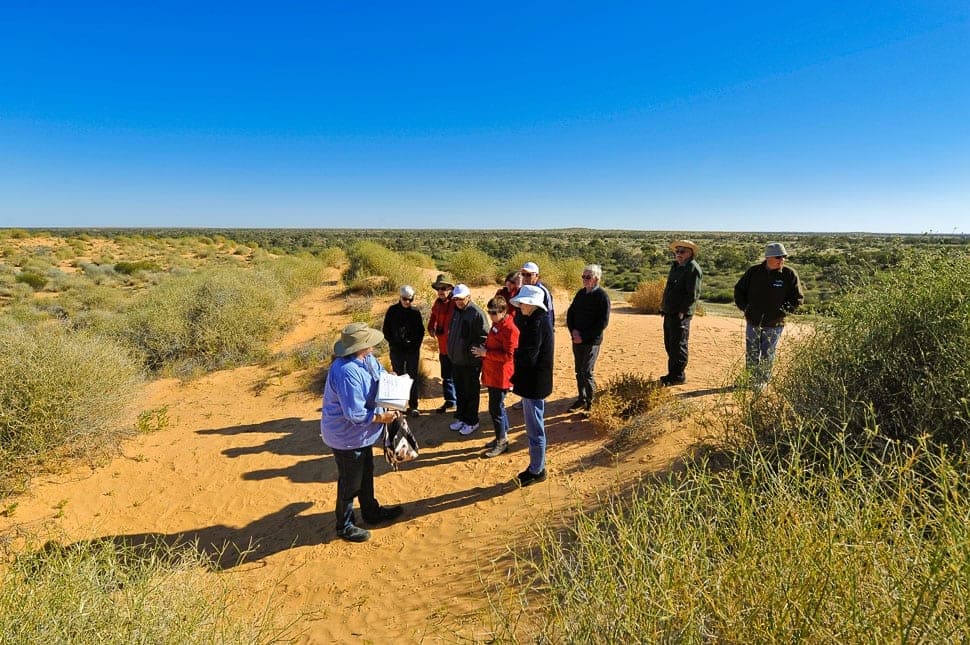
[{"x": 827, "y": 262}]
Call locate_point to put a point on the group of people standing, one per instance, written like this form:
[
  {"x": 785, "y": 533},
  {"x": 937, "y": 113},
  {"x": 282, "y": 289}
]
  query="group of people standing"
[{"x": 510, "y": 347}]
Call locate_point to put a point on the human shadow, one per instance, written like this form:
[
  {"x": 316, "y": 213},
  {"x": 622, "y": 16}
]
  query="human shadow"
[
  {"x": 711, "y": 390},
  {"x": 300, "y": 438}
]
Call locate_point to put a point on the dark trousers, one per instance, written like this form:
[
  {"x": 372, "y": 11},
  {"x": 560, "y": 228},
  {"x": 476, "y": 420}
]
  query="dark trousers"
[
  {"x": 355, "y": 478},
  {"x": 447, "y": 379},
  {"x": 676, "y": 335},
  {"x": 406, "y": 362},
  {"x": 468, "y": 391},
  {"x": 584, "y": 356}
]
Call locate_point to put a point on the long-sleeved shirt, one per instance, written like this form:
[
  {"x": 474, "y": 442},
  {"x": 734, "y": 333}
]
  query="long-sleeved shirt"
[
  {"x": 403, "y": 328},
  {"x": 589, "y": 314},
  {"x": 469, "y": 328},
  {"x": 683, "y": 289},
  {"x": 347, "y": 421},
  {"x": 497, "y": 366},
  {"x": 440, "y": 320},
  {"x": 767, "y": 296}
]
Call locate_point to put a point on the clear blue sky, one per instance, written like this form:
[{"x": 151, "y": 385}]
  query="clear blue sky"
[{"x": 734, "y": 116}]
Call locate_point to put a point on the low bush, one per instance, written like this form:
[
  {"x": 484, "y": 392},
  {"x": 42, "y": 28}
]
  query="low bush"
[
  {"x": 621, "y": 401},
  {"x": 206, "y": 321},
  {"x": 129, "y": 268},
  {"x": 59, "y": 388},
  {"x": 296, "y": 274},
  {"x": 472, "y": 267},
  {"x": 376, "y": 270},
  {"x": 648, "y": 297},
  {"x": 34, "y": 280}
]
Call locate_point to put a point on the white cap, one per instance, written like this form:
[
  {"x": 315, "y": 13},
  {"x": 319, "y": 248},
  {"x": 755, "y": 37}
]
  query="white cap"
[
  {"x": 461, "y": 291},
  {"x": 531, "y": 267},
  {"x": 407, "y": 291}
]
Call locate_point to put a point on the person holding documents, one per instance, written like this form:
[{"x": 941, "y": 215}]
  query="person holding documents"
[{"x": 351, "y": 423}]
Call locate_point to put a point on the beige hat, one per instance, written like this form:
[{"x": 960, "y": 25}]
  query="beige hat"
[
  {"x": 355, "y": 337},
  {"x": 684, "y": 243}
]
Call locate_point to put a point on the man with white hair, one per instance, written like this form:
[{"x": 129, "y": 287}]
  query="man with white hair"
[
  {"x": 404, "y": 331},
  {"x": 586, "y": 318}
]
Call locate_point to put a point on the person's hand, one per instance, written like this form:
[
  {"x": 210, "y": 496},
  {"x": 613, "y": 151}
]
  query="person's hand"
[
  {"x": 577, "y": 339},
  {"x": 478, "y": 352},
  {"x": 681, "y": 316},
  {"x": 387, "y": 417}
]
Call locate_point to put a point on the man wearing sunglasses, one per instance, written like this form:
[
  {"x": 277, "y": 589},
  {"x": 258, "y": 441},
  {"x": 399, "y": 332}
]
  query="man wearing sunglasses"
[
  {"x": 586, "y": 318},
  {"x": 677, "y": 308},
  {"x": 404, "y": 331}
]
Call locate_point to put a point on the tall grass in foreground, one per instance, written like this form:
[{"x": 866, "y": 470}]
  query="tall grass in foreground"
[
  {"x": 105, "y": 593},
  {"x": 58, "y": 389},
  {"x": 761, "y": 554}
]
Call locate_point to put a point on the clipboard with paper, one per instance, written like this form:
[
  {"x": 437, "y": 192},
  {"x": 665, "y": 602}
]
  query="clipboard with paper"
[{"x": 393, "y": 391}]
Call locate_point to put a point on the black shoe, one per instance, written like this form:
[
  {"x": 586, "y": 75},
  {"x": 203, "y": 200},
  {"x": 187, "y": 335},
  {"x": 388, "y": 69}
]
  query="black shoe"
[
  {"x": 669, "y": 380},
  {"x": 384, "y": 514},
  {"x": 578, "y": 404},
  {"x": 354, "y": 534},
  {"x": 526, "y": 478},
  {"x": 445, "y": 408}
]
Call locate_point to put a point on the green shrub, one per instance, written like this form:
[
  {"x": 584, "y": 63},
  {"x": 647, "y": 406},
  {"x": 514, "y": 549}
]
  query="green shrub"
[
  {"x": 103, "y": 592},
  {"x": 376, "y": 270},
  {"x": 128, "y": 268},
  {"x": 418, "y": 259},
  {"x": 472, "y": 267},
  {"x": 333, "y": 256},
  {"x": 59, "y": 388},
  {"x": 297, "y": 275},
  {"x": 623, "y": 399},
  {"x": 207, "y": 320},
  {"x": 891, "y": 364},
  {"x": 33, "y": 280}
]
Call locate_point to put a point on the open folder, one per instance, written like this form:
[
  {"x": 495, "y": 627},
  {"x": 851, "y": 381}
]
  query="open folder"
[{"x": 393, "y": 391}]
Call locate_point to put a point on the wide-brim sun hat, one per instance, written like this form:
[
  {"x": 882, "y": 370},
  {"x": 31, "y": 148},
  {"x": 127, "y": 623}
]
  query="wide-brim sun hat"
[
  {"x": 776, "y": 250},
  {"x": 461, "y": 291},
  {"x": 530, "y": 295},
  {"x": 355, "y": 337},
  {"x": 441, "y": 282},
  {"x": 687, "y": 244}
]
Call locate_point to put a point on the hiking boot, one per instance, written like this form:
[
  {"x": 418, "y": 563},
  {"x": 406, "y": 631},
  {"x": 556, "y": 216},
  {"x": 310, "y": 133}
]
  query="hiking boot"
[
  {"x": 527, "y": 478},
  {"x": 384, "y": 514},
  {"x": 456, "y": 425},
  {"x": 444, "y": 408},
  {"x": 467, "y": 429},
  {"x": 497, "y": 449},
  {"x": 669, "y": 380},
  {"x": 353, "y": 533},
  {"x": 578, "y": 404},
  {"x": 491, "y": 444}
]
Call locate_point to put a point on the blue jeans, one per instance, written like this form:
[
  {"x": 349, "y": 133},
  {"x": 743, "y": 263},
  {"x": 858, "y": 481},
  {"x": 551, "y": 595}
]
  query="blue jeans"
[
  {"x": 496, "y": 409},
  {"x": 355, "y": 478},
  {"x": 447, "y": 379},
  {"x": 759, "y": 350},
  {"x": 584, "y": 358},
  {"x": 535, "y": 428}
]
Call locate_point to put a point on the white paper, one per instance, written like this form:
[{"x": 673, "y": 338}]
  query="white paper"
[{"x": 394, "y": 390}]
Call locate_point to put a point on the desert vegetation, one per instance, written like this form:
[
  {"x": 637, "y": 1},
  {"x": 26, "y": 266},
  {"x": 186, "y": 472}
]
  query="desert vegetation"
[{"x": 833, "y": 508}]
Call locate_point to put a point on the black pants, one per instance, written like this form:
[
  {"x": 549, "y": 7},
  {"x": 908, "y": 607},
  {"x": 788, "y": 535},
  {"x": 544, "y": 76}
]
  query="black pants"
[
  {"x": 676, "y": 335},
  {"x": 584, "y": 356},
  {"x": 468, "y": 392},
  {"x": 406, "y": 362},
  {"x": 355, "y": 478}
]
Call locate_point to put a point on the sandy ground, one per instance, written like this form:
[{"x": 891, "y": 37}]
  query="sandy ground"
[{"x": 244, "y": 466}]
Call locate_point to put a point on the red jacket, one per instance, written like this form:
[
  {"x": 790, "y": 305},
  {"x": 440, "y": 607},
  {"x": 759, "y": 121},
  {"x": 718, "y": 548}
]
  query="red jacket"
[
  {"x": 497, "y": 366},
  {"x": 440, "y": 320}
]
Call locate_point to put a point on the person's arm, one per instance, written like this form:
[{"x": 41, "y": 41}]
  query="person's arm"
[
  {"x": 388, "y": 326},
  {"x": 795, "y": 296},
  {"x": 692, "y": 290},
  {"x": 741, "y": 291}
]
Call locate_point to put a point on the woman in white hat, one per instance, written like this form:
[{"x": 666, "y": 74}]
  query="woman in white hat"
[
  {"x": 351, "y": 424},
  {"x": 532, "y": 377}
]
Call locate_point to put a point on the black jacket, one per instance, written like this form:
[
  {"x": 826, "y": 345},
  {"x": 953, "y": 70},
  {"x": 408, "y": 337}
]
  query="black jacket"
[
  {"x": 589, "y": 314},
  {"x": 403, "y": 328},
  {"x": 683, "y": 289},
  {"x": 532, "y": 378},
  {"x": 469, "y": 328},
  {"x": 767, "y": 296}
]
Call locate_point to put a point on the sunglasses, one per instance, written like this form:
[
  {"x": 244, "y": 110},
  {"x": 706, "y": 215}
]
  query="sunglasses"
[
  {"x": 493, "y": 312},
  {"x": 526, "y": 273},
  {"x": 407, "y": 299},
  {"x": 588, "y": 277},
  {"x": 681, "y": 251}
]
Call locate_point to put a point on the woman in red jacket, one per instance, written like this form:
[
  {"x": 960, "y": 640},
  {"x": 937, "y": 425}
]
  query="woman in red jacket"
[{"x": 497, "y": 367}]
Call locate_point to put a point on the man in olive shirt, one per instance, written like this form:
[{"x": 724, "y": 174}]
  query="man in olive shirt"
[{"x": 677, "y": 308}]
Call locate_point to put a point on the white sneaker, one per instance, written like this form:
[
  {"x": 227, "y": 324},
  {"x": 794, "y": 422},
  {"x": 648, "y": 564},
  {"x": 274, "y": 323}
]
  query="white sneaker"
[
  {"x": 457, "y": 425},
  {"x": 467, "y": 430}
]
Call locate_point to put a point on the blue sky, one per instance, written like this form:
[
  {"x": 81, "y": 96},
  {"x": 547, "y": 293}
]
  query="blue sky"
[{"x": 739, "y": 116}]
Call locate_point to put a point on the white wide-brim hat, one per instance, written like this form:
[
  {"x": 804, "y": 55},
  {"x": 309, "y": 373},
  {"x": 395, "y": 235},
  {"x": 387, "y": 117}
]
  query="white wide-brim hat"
[{"x": 530, "y": 294}]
